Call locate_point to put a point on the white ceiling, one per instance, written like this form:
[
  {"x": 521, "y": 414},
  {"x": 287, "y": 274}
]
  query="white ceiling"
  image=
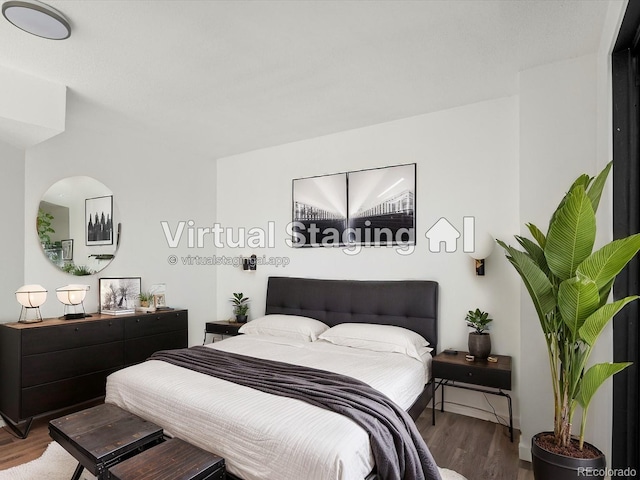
[{"x": 223, "y": 77}]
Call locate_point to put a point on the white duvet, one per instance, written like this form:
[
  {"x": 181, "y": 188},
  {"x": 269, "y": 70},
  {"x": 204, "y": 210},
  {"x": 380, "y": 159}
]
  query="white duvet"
[{"x": 263, "y": 436}]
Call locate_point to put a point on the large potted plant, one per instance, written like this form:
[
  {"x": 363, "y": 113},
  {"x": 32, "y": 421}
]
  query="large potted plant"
[{"x": 569, "y": 285}]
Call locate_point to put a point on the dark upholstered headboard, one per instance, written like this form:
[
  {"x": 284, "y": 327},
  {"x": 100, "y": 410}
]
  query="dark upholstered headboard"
[{"x": 411, "y": 304}]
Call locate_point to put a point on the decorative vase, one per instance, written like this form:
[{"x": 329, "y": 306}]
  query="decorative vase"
[
  {"x": 241, "y": 318},
  {"x": 549, "y": 465},
  {"x": 479, "y": 344}
]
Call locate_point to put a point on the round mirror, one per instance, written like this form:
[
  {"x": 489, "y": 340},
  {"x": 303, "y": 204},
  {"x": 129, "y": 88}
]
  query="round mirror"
[{"x": 76, "y": 225}]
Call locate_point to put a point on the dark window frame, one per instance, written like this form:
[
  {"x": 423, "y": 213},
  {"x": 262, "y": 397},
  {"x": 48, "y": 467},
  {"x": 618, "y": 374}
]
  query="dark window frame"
[{"x": 626, "y": 221}]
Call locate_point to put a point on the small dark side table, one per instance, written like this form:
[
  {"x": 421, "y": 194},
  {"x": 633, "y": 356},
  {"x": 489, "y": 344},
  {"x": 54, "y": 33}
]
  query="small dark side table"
[
  {"x": 450, "y": 369},
  {"x": 222, "y": 327}
]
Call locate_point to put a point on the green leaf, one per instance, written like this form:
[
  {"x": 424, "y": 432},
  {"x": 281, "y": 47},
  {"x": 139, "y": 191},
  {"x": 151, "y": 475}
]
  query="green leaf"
[
  {"x": 571, "y": 235},
  {"x": 594, "y": 378},
  {"x": 595, "y": 323},
  {"x": 535, "y": 252},
  {"x": 603, "y": 265},
  {"x": 595, "y": 191},
  {"x": 577, "y": 300},
  {"x": 535, "y": 280},
  {"x": 604, "y": 292},
  {"x": 582, "y": 181},
  {"x": 537, "y": 234}
]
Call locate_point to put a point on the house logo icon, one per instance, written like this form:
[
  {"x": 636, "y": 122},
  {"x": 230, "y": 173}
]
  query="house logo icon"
[{"x": 442, "y": 232}]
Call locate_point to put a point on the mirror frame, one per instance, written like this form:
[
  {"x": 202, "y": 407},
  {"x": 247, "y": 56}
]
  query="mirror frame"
[{"x": 80, "y": 196}]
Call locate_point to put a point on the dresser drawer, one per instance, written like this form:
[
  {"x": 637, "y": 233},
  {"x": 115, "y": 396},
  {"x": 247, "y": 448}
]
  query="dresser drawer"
[
  {"x": 56, "y": 395},
  {"x": 155, "y": 323},
  {"x": 54, "y": 366},
  {"x": 487, "y": 377},
  {"x": 76, "y": 334},
  {"x": 139, "y": 349}
]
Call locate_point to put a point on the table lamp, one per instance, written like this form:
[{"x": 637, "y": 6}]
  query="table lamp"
[
  {"x": 72, "y": 297},
  {"x": 31, "y": 297}
]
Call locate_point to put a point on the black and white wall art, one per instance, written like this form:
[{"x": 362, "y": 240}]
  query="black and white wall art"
[
  {"x": 99, "y": 220},
  {"x": 374, "y": 207},
  {"x": 382, "y": 205},
  {"x": 319, "y": 210}
]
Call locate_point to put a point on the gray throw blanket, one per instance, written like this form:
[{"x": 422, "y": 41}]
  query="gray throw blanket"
[{"x": 398, "y": 449}]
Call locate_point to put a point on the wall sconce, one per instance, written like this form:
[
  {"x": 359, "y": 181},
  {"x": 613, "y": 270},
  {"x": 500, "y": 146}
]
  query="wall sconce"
[
  {"x": 31, "y": 297},
  {"x": 250, "y": 263},
  {"x": 72, "y": 297},
  {"x": 483, "y": 246}
]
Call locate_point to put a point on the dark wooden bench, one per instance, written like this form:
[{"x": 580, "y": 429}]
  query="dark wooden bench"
[
  {"x": 174, "y": 459},
  {"x": 102, "y": 436}
]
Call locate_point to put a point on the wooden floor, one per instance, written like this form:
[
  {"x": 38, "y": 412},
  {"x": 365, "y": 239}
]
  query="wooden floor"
[{"x": 477, "y": 449}]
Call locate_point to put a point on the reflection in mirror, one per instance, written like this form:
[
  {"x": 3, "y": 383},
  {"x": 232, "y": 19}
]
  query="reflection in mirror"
[{"x": 76, "y": 225}]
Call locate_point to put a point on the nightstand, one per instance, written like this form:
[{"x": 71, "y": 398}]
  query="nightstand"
[
  {"x": 222, "y": 327},
  {"x": 450, "y": 369}
]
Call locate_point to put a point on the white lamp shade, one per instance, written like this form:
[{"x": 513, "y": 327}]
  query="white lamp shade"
[
  {"x": 483, "y": 246},
  {"x": 72, "y": 294},
  {"x": 31, "y": 296}
]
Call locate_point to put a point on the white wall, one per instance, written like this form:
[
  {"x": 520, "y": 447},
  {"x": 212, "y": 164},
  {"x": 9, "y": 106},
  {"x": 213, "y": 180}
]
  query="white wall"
[
  {"x": 150, "y": 183},
  {"x": 12, "y": 238},
  {"x": 559, "y": 121},
  {"x": 467, "y": 165}
]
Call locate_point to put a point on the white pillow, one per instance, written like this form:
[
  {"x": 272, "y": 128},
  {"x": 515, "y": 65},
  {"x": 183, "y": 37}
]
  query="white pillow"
[
  {"x": 379, "y": 338},
  {"x": 291, "y": 326}
]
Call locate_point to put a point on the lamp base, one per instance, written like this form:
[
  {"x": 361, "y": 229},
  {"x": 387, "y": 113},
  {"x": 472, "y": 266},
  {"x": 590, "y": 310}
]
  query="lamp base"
[
  {"x": 73, "y": 311},
  {"x": 24, "y": 315}
]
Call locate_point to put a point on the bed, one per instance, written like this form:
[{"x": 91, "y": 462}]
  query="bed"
[{"x": 262, "y": 436}]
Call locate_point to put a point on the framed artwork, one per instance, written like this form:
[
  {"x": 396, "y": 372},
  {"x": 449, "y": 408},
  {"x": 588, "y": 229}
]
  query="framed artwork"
[
  {"x": 67, "y": 249},
  {"x": 319, "y": 211},
  {"x": 382, "y": 206},
  {"x": 159, "y": 300},
  {"x": 374, "y": 207},
  {"x": 119, "y": 295},
  {"x": 99, "y": 220}
]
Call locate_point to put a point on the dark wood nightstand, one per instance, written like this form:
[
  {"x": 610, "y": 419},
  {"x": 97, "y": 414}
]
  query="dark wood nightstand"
[
  {"x": 222, "y": 327},
  {"x": 450, "y": 369}
]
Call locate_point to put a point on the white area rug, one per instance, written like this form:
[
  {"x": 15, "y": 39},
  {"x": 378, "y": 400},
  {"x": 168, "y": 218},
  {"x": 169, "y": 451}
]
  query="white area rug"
[{"x": 56, "y": 464}]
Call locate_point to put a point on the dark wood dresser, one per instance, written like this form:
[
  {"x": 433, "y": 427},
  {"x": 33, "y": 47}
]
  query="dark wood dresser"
[{"x": 55, "y": 364}]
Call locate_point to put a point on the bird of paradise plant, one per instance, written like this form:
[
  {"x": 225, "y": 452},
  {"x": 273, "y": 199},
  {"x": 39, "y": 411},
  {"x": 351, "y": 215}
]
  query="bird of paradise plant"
[{"x": 569, "y": 285}]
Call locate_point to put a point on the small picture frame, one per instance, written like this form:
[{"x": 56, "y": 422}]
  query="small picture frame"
[
  {"x": 159, "y": 300},
  {"x": 67, "y": 249}
]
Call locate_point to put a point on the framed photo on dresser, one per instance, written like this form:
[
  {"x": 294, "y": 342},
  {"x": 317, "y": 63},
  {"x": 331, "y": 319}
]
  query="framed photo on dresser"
[{"x": 118, "y": 295}]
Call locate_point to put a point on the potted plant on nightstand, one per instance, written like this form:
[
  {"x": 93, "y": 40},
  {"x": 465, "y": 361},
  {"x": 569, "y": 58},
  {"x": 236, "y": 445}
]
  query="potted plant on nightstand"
[
  {"x": 479, "y": 339},
  {"x": 569, "y": 285},
  {"x": 240, "y": 307}
]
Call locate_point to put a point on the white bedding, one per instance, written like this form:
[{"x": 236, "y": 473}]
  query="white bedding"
[{"x": 263, "y": 436}]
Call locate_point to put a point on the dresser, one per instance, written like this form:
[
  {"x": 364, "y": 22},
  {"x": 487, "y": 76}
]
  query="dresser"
[{"x": 56, "y": 363}]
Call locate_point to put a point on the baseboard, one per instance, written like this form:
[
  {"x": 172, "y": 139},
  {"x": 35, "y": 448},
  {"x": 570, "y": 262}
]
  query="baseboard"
[
  {"x": 473, "y": 412},
  {"x": 524, "y": 450}
]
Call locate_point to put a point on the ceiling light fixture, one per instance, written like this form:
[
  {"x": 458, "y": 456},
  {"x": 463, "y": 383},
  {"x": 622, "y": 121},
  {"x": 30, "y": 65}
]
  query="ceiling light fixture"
[{"x": 37, "y": 18}]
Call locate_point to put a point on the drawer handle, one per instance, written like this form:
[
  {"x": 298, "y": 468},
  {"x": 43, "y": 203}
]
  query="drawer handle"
[
  {"x": 77, "y": 329},
  {"x": 470, "y": 374},
  {"x": 110, "y": 323},
  {"x": 137, "y": 320}
]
